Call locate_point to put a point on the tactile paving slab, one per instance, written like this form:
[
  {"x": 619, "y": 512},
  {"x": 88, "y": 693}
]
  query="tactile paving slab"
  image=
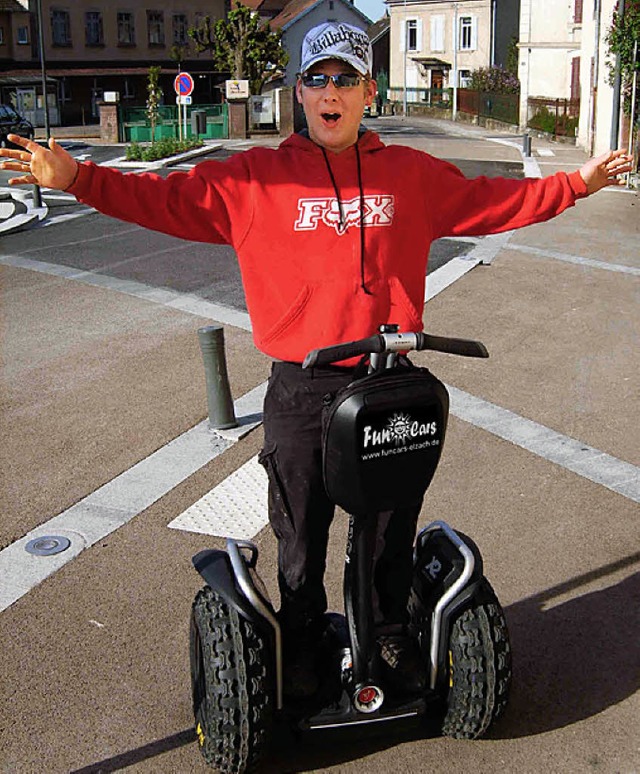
[{"x": 236, "y": 508}]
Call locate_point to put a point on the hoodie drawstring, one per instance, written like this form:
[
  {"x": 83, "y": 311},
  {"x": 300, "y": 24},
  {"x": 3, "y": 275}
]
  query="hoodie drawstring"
[{"x": 342, "y": 221}]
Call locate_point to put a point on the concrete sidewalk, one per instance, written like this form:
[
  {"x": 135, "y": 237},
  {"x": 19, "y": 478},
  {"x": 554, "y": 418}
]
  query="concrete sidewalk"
[{"x": 94, "y": 675}]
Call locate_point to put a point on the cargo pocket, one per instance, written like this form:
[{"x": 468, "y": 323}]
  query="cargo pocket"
[{"x": 279, "y": 511}]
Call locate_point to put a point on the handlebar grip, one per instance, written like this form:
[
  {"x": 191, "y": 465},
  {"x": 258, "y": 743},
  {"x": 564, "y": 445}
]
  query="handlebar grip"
[
  {"x": 464, "y": 347},
  {"x": 346, "y": 351}
]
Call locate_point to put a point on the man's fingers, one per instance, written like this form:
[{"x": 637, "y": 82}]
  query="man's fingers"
[
  {"x": 10, "y": 153},
  {"x": 23, "y": 142},
  {"x": 24, "y": 180},
  {"x": 15, "y": 166}
]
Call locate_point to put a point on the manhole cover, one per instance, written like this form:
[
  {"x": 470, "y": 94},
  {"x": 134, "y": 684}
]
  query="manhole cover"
[{"x": 48, "y": 545}]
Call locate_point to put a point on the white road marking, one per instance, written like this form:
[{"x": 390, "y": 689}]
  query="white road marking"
[{"x": 577, "y": 259}]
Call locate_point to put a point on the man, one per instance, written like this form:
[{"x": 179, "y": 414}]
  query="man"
[{"x": 332, "y": 232}]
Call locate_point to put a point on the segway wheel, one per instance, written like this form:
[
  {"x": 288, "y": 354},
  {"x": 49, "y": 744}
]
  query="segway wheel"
[
  {"x": 479, "y": 670},
  {"x": 233, "y": 695}
]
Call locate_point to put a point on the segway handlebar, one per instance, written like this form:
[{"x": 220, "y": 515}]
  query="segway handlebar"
[{"x": 394, "y": 342}]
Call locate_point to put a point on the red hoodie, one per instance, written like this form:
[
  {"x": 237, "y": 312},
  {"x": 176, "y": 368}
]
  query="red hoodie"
[{"x": 309, "y": 282}]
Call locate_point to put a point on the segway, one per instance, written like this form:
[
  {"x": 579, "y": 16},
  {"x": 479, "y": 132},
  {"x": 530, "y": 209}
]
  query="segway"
[{"x": 382, "y": 440}]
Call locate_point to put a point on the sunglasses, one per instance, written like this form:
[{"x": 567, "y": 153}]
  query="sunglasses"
[{"x": 340, "y": 80}]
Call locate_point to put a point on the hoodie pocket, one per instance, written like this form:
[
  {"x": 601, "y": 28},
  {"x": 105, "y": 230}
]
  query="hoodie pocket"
[
  {"x": 290, "y": 316},
  {"x": 401, "y": 299}
]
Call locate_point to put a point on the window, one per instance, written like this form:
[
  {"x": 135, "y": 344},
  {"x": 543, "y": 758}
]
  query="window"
[
  {"x": 467, "y": 33},
  {"x": 437, "y": 33},
  {"x": 180, "y": 27},
  {"x": 94, "y": 35},
  {"x": 412, "y": 35},
  {"x": 23, "y": 36},
  {"x": 126, "y": 28},
  {"x": 60, "y": 27},
  {"x": 65, "y": 90},
  {"x": 1, "y": 35},
  {"x": 577, "y": 12},
  {"x": 129, "y": 91},
  {"x": 465, "y": 79},
  {"x": 155, "y": 28}
]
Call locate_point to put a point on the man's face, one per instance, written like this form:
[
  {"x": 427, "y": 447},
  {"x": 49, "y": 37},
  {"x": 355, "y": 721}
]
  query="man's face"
[{"x": 334, "y": 114}]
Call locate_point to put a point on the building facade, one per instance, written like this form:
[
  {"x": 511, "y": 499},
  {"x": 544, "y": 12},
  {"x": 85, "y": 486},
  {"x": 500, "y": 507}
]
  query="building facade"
[
  {"x": 93, "y": 46},
  {"x": 438, "y": 43},
  {"x": 549, "y": 51}
]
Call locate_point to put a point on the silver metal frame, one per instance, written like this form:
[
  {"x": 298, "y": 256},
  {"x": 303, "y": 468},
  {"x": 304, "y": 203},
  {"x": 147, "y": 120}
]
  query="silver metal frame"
[
  {"x": 251, "y": 593},
  {"x": 456, "y": 588}
]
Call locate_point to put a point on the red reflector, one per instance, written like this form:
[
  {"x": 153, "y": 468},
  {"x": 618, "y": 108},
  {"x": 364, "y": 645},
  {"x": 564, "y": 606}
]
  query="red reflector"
[{"x": 367, "y": 695}]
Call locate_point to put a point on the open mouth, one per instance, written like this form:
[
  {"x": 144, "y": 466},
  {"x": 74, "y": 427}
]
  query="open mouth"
[{"x": 331, "y": 118}]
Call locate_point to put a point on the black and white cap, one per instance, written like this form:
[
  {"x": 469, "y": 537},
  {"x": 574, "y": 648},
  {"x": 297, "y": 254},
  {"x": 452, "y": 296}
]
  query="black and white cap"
[{"x": 337, "y": 40}]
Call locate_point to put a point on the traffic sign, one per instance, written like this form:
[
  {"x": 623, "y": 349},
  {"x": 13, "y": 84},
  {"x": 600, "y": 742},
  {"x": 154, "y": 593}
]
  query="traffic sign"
[
  {"x": 183, "y": 84},
  {"x": 181, "y": 101}
]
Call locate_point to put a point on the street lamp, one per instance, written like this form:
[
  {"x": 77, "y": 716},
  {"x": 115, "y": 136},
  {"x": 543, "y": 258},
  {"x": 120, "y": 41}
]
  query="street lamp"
[
  {"x": 404, "y": 63},
  {"x": 43, "y": 68},
  {"x": 37, "y": 197},
  {"x": 454, "y": 109}
]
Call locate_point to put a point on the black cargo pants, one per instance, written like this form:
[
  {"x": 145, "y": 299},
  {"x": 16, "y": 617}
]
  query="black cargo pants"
[{"x": 300, "y": 511}]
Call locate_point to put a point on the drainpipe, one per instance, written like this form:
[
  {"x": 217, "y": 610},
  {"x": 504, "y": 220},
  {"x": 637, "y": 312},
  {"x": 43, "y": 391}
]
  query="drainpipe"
[
  {"x": 492, "y": 55},
  {"x": 617, "y": 89},
  {"x": 597, "y": 12},
  {"x": 632, "y": 121}
]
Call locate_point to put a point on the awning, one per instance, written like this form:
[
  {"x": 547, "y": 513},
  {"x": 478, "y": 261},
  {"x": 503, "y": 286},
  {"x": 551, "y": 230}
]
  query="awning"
[{"x": 431, "y": 63}]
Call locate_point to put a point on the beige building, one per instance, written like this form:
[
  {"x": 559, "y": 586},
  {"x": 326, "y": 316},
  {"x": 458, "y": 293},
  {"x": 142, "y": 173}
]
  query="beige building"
[
  {"x": 597, "y": 96},
  {"x": 93, "y": 46},
  {"x": 550, "y": 51},
  {"x": 563, "y": 55},
  {"x": 438, "y": 43}
]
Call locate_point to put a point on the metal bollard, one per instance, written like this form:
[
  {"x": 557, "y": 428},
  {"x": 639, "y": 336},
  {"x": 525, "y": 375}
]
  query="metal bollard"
[
  {"x": 221, "y": 412},
  {"x": 37, "y": 196},
  {"x": 526, "y": 145}
]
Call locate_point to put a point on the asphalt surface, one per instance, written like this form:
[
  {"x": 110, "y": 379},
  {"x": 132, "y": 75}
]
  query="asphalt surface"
[{"x": 94, "y": 673}]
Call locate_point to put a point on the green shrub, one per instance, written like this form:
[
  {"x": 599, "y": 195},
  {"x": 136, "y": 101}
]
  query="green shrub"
[
  {"x": 134, "y": 152},
  {"x": 160, "y": 149},
  {"x": 545, "y": 120}
]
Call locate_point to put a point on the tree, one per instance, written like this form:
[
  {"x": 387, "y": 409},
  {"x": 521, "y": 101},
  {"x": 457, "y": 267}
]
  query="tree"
[
  {"x": 242, "y": 45},
  {"x": 513, "y": 57},
  {"x": 620, "y": 40},
  {"x": 154, "y": 95}
]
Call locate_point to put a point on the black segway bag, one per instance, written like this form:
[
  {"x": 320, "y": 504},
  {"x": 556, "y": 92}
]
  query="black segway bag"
[{"x": 382, "y": 439}]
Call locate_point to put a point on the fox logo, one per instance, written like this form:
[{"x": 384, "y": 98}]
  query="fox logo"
[{"x": 377, "y": 211}]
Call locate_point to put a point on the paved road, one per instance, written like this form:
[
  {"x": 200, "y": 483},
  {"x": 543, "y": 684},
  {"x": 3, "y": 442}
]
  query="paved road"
[{"x": 94, "y": 674}]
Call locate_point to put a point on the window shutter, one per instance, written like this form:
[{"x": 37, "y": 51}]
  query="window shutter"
[
  {"x": 474, "y": 33},
  {"x": 437, "y": 33},
  {"x": 403, "y": 36},
  {"x": 577, "y": 12},
  {"x": 419, "y": 35}
]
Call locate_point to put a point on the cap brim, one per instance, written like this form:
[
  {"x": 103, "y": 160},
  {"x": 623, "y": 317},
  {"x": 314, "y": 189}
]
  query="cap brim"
[{"x": 356, "y": 64}]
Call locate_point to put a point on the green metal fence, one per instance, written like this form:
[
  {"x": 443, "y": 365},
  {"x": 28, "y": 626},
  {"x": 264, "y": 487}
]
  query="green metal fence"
[
  {"x": 136, "y": 127},
  {"x": 501, "y": 107}
]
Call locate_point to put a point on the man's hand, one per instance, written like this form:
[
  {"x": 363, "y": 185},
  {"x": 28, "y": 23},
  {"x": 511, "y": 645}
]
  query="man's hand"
[
  {"x": 603, "y": 171},
  {"x": 50, "y": 167}
]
